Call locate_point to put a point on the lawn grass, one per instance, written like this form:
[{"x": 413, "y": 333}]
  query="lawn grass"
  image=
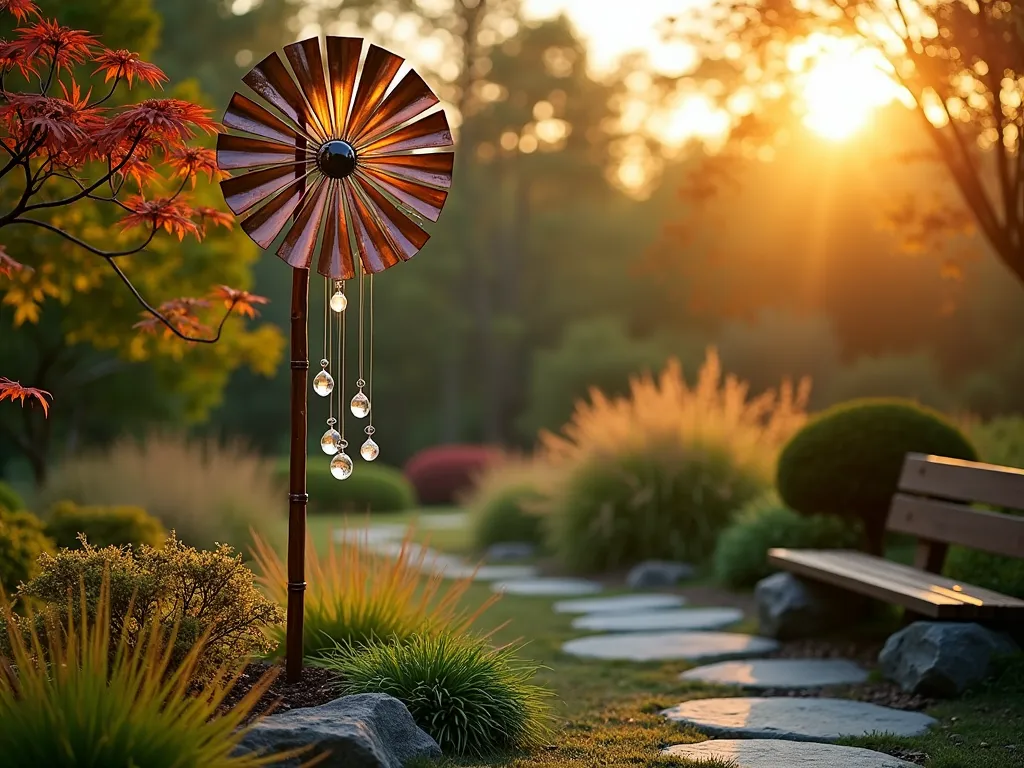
[{"x": 606, "y": 713}]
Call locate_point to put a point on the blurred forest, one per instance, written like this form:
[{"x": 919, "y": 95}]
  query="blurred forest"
[{"x": 547, "y": 273}]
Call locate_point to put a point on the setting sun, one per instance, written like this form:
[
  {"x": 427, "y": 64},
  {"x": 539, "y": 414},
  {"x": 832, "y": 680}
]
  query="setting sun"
[{"x": 842, "y": 86}]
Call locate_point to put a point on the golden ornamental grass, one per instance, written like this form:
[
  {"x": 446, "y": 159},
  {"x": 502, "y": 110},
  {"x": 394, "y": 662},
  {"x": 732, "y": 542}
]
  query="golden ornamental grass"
[{"x": 715, "y": 411}]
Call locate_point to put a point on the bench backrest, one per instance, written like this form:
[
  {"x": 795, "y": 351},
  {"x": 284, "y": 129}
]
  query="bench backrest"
[{"x": 933, "y": 504}]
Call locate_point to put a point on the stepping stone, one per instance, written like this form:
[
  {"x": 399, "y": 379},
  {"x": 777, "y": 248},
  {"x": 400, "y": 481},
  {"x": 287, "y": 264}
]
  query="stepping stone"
[
  {"x": 660, "y": 621},
  {"x": 649, "y": 602},
  {"x": 670, "y": 646},
  {"x": 780, "y": 673},
  {"x": 547, "y": 587},
  {"x": 488, "y": 572},
  {"x": 452, "y": 521},
  {"x": 373, "y": 534},
  {"x": 767, "y": 753},
  {"x": 795, "y": 719}
]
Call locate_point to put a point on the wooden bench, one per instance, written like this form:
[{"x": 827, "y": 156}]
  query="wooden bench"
[{"x": 933, "y": 504}]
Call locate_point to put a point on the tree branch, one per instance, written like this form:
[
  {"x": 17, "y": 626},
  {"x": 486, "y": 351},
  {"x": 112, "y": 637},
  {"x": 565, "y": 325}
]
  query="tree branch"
[{"x": 109, "y": 255}]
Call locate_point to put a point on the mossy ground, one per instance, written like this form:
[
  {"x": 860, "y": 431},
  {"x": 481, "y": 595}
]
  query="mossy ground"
[{"x": 606, "y": 714}]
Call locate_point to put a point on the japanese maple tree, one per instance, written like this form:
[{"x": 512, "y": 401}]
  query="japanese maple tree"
[{"x": 63, "y": 144}]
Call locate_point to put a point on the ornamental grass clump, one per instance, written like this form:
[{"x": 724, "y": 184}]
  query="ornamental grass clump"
[
  {"x": 79, "y": 694},
  {"x": 471, "y": 698},
  {"x": 356, "y": 595},
  {"x": 661, "y": 472},
  {"x": 507, "y": 502}
]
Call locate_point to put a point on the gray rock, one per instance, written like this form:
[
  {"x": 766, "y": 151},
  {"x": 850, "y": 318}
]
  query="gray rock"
[
  {"x": 620, "y": 603},
  {"x": 795, "y": 719},
  {"x": 658, "y": 573},
  {"x": 547, "y": 587},
  {"x": 371, "y": 730},
  {"x": 670, "y": 646},
  {"x": 660, "y": 621},
  {"x": 942, "y": 658},
  {"x": 769, "y": 753},
  {"x": 789, "y": 608},
  {"x": 779, "y": 673},
  {"x": 511, "y": 550}
]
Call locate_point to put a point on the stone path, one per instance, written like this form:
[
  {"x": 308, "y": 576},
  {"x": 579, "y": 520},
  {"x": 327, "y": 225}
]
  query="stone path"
[
  {"x": 660, "y": 621},
  {"x": 547, "y": 587},
  {"x": 487, "y": 572},
  {"x": 795, "y": 719},
  {"x": 644, "y": 602},
  {"x": 669, "y": 646},
  {"x": 760, "y": 753},
  {"x": 780, "y": 673}
]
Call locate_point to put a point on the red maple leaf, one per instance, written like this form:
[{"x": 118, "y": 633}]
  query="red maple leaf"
[
  {"x": 240, "y": 301},
  {"x": 181, "y": 313},
  {"x": 165, "y": 121},
  {"x": 12, "y": 390},
  {"x": 165, "y": 212},
  {"x": 214, "y": 217},
  {"x": 47, "y": 42},
  {"x": 62, "y": 125},
  {"x": 8, "y": 266},
  {"x": 129, "y": 65},
  {"x": 20, "y": 9},
  {"x": 189, "y": 162}
]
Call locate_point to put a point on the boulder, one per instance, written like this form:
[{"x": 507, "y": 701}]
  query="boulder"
[
  {"x": 790, "y": 608},
  {"x": 658, "y": 573},
  {"x": 510, "y": 550},
  {"x": 370, "y": 730},
  {"x": 935, "y": 658}
]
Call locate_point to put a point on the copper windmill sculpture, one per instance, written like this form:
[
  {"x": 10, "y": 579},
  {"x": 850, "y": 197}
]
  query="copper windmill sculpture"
[{"x": 345, "y": 159}]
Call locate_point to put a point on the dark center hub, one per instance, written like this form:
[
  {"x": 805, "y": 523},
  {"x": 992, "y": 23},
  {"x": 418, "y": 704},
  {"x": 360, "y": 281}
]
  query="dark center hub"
[{"x": 336, "y": 159}]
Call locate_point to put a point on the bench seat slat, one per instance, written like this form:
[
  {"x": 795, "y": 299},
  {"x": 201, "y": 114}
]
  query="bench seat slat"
[
  {"x": 921, "y": 592},
  {"x": 951, "y": 523}
]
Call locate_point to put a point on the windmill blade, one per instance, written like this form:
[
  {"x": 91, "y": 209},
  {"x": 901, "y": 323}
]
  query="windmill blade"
[
  {"x": 411, "y": 97},
  {"x": 270, "y": 79},
  {"x": 342, "y": 67},
  {"x": 244, "y": 114},
  {"x": 379, "y": 70},
  {"x": 336, "y": 260},
  {"x": 266, "y": 224},
  {"x": 434, "y": 169},
  {"x": 375, "y": 250},
  {"x": 426, "y": 201},
  {"x": 235, "y": 152},
  {"x": 243, "y": 192},
  {"x": 299, "y": 243},
  {"x": 308, "y": 65},
  {"x": 405, "y": 234},
  {"x": 432, "y": 132}
]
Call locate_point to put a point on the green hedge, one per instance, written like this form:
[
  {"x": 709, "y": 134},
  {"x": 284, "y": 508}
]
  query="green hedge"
[
  {"x": 10, "y": 501},
  {"x": 103, "y": 526},
  {"x": 741, "y": 554},
  {"x": 370, "y": 488},
  {"x": 22, "y": 541}
]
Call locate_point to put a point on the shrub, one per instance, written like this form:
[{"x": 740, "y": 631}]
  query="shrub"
[
  {"x": 741, "y": 554},
  {"x": 203, "y": 491},
  {"x": 983, "y": 569},
  {"x": 10, "y": 501},
  {"x": 473, "y": 699},
  {"x": 103, "y": 526},
  {"x": 999, "y": 441},
  {"x": 76, "y": 704},
  {"x": 442, "y": 473},
  {"x": 660, "y": 473},
  {"x": 847, "y": 460},
  {"x": 507, "y": 503},
  {"x": 356, "y": 595},
  {"x": 371, "y": 488},
  {"x": 22, "y": 541},
  {"x": 202, "y": 594}
]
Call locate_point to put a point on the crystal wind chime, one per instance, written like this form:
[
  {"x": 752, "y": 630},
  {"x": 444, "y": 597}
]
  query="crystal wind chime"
[{"x": 333, "y": 442}]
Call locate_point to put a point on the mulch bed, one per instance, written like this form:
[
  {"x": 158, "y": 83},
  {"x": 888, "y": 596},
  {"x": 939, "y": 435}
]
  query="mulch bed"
[{"x": 316, "y": 687}]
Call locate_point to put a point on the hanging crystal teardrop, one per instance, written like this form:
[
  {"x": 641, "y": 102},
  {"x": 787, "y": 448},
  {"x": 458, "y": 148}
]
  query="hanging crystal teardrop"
[
  {"x": 369, "y": 450},
  {"x": 331, "y": 442},
  {"x": 339, "y": 301},
  {"x": 323, "y": 383},
  {"x": 360, "y": 405},
  {"x": 341, "y": 466}
]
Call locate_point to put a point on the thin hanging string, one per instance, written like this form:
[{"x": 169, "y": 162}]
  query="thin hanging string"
[
  {"x": 341, "y": 357},
  {"x": 328, "y": 328},
  {"x": 369, "y": 381},
  {"x": 362, "y": 312}
]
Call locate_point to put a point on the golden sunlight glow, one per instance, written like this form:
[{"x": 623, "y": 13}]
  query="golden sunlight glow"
[{"x": 841, "y": 85}]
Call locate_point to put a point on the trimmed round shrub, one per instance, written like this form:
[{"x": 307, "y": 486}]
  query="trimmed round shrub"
[
  {"x": 660, "y": 501},
  {"x": 847, "y": 460},
  {"x": 509, "y": 503},
  {"x": 22, "y": 541},
  {"x": 471, "y": 698},
  {"x": 741, "y": 555},
  {"x": 442, "y": 474},
  {"x": 370, "y": 488},
  {"x": 103, "y": 526},
  {"x": 10, "y": 501}
]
